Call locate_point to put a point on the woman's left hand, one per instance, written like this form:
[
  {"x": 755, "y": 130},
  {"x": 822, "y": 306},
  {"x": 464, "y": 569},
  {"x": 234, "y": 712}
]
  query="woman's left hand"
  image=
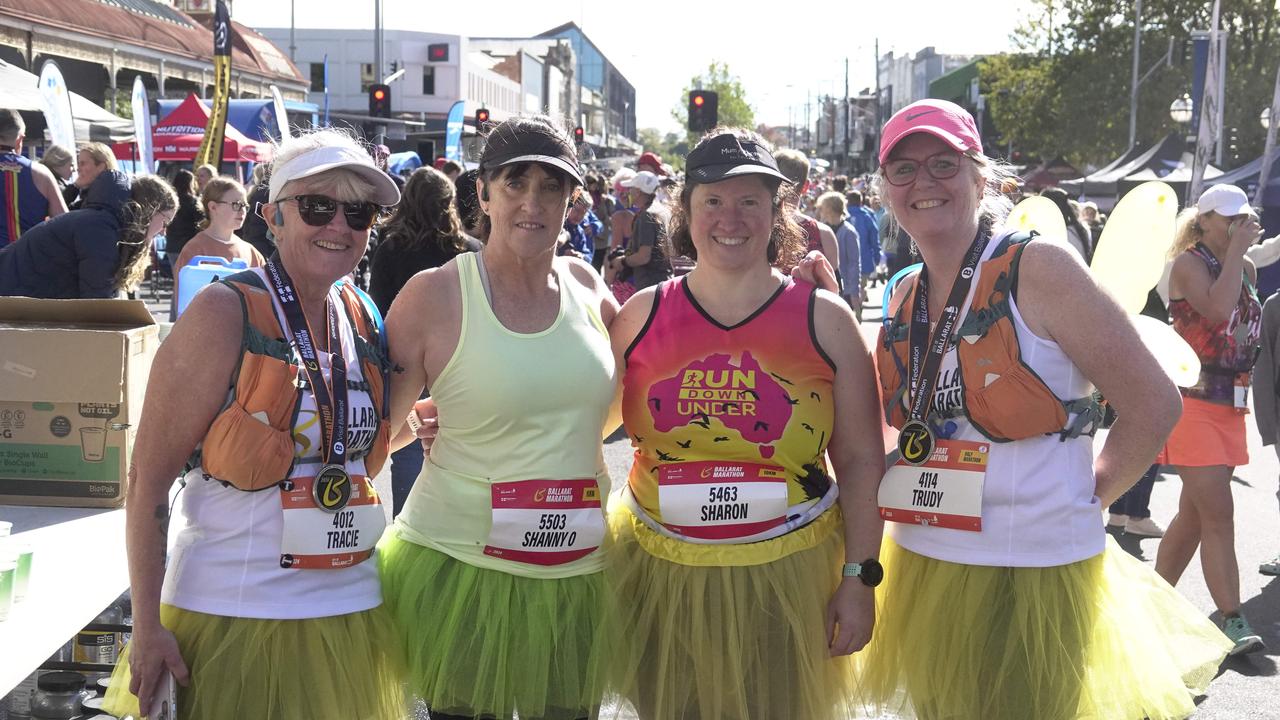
[{"x": 851, "y": 614}]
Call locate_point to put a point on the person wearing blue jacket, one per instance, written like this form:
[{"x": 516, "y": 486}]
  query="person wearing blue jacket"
[
  {"x": 96, "y": 251},
  {"x": 864, "y": 221}
]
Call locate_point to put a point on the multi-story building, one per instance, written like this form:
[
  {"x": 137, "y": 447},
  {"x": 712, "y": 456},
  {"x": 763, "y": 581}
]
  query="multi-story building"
[{"x": 905, "y": 79}]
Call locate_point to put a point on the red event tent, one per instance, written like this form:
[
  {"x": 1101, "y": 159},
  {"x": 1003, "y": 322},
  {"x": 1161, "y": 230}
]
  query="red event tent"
[{"x": 179, "y": 134}]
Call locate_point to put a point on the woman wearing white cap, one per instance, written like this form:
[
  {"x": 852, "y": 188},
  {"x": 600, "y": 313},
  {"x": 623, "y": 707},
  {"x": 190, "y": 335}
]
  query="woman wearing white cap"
[
  {"x": 1003, "y": 599},
  {"x": 269, "y": 604},
  {"x": 745, "y": 558},
  {"x": 493, "y": 570},
  {"x": 1213, "y": 300}
]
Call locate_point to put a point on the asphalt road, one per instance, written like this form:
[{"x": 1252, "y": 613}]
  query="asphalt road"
[{"x": 1246, "y": 688}]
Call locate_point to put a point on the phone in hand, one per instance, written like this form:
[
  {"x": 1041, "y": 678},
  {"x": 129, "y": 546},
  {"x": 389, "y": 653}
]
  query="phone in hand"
[{"x": 164, "y": 703}]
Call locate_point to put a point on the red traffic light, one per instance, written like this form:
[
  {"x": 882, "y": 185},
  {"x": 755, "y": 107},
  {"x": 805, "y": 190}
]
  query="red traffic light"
[
  {"x": 482, "y": 116},
  {"x": 380, "y": 101},
  {"x": 698, "y": 100},
  {"x": 438, "y": 52},
  {"x": 379, "y": 94},
  {"x": 579, "y": 135}
]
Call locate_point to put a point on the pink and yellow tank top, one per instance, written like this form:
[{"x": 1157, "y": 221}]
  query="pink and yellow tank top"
[
  {"x": 1227, "y": 350},
  {"x": 730, "y": 424}
]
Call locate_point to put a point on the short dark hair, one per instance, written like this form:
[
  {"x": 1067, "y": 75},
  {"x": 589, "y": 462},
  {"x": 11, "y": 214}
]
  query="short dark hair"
[
  {"x": 450, "y": 166},
  {"x": 11, "y": 126},
  {"x": 839, "y": 183},
  {"x": 854, "y": 197},
  {"x": 786, "y": 239}
]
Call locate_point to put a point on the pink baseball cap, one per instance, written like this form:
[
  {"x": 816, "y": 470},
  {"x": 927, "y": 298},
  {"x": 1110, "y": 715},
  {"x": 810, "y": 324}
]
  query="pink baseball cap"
[{"x": 944, "y": 120}]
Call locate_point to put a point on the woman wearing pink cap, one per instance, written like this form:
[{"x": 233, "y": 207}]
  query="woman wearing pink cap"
[
  {"x": 1214, "y": 303},
  {"x": 1002, "y": 598}
]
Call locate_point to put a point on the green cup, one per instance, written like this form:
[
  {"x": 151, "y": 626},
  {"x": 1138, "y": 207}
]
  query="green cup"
[
  {"x": 22, "y": 577},
  {"x": 8, "y": 578}
]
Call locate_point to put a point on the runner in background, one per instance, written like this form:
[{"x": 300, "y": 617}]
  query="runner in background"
[
  {"x": 731, "y": 532},
  {"x": 795, "y": 166},
  {"x": 1214, "y": 304},
  {"x": 1003, "y": 598},
  {"x": 494, "y": 568},
  {"x": 269, "y": 604}
]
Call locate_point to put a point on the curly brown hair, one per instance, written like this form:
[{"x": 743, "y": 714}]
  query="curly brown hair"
[
  {"x": 148, "y": 195},
  {"x": 425, "y": 214},
  {"x": 786, "y": 240}
]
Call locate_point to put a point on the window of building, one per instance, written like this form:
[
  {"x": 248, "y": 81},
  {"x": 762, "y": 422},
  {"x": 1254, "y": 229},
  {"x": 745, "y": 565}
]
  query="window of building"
[
  {"x": 367, "y": 78},
  {"x": 317, "y": 77},
  {"x": 428, "y": 80}
]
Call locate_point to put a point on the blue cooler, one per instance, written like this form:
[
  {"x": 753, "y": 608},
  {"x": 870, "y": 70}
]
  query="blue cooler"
[{"x": 202, "y": 270}]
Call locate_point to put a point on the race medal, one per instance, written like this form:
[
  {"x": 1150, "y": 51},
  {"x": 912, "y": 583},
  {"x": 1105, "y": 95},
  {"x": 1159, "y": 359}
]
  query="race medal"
[
  {"x": 545, "y": 522},
  {"x": 331, "y": 521},
  {"x": 915, "y": 442},
  {"x": 721, "y": 501},
  {"x": 943, "y": 491},
  {"x": 332, "y": 488}
]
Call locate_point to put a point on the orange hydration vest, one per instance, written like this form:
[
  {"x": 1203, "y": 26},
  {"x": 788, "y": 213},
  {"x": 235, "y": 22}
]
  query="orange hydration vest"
[
  {"x": 250, "y": 443},
  {"x": 1004, "y": 399}
]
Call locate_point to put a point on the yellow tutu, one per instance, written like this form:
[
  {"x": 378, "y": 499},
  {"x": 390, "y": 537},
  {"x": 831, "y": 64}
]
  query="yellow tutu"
[
  {"x": 336, "y": 668},
  {"x": 728, "y": 642},
  {"x": 1105, "y": 638}
]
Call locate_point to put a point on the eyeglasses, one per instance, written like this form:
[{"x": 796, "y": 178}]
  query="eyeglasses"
[
  {"x": 318, "y": 211},
  {"x": 237, "y": 205},
  {"x": 942, "y": 166}
]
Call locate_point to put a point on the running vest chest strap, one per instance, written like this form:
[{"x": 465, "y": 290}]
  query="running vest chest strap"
[
  {"x": 250, "y": 442},
  {"x": 1004, "y": 399}
]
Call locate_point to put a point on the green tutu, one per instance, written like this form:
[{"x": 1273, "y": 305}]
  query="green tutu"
[
  {"x": 487, "y": 643},
  {"x": 1104, "y": 638},
  {"x": 344, "y": 667}
]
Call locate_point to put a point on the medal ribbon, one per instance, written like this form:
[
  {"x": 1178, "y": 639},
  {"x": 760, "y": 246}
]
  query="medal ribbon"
[
  {"x": 927, "y": 349},
  {"x": 331, "y": 397}
]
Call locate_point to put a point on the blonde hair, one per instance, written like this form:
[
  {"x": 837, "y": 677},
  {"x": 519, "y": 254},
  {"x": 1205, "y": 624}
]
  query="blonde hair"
[
  {"x": 57, "y": 155},
  {"x": 209, "y": 168},
  {"x": 100, "y": 154},
  {"x": 995, "y": 205},
  {"x": 833, "y": 201},
  {"x": 214, "y": 191},
  {"x": 345, "y": 185},
  {"x": 1186, "y": 232}
]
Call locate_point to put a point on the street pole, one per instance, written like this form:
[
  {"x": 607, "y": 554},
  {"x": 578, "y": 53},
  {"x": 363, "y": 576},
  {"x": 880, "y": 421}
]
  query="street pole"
[
  {"x": 873, "y": 154},
  {"x": 1133, "y": 91},
  {"x": 377, "y": 39},
  {"x": 848, "y": 111},
  {"x": 293, "y": 47}
]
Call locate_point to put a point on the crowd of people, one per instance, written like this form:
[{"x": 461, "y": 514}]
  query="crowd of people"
[{"x": 764, "y": 557}]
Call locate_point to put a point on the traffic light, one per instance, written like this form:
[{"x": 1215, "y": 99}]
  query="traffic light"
[
  {"x": 438, "y": 52},
  {"x": 482, "y": 119},
  {"x": 380, "y": 101},
  {"x": 703, "y": 110},
  {"x": 579, "y": 135}
]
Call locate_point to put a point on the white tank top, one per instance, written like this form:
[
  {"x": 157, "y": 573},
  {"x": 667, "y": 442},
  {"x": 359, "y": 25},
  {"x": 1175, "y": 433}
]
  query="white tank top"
[
  {"x": 1038, "y": 502},
  {"x": 225, "y": 558}
]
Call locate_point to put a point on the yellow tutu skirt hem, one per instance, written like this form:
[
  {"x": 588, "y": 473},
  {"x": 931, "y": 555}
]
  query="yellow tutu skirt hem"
[
  {"x": 344, "y": 667},
  {"x": 1101, "y": 639},
  {"x": 491, "y": 644},
  {"x": 728, "y": 642}
]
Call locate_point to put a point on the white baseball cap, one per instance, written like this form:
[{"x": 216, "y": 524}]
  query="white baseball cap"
[
  {"x": 1226, "y": 200},
  {"x": 644, "y": 181}
]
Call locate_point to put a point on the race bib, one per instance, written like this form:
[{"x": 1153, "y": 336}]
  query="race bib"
[
  {"x": 545, "y": 522},
  {"x": 945, "y": 491},
  {"x": 725, "y": 501},
  {"x": 326, "y": 539}
]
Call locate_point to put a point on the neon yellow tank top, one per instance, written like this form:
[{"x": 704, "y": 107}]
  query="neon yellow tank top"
[{"x": 516, "y": 477}]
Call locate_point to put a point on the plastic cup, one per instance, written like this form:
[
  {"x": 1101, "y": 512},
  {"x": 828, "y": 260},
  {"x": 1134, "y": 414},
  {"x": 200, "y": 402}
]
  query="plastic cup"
[
  {"x": 93, "y": 443},
  {"x": 8, "y": 576},
  {"x": 22, "y": 576},
  {"x": 6, "y": 527}
]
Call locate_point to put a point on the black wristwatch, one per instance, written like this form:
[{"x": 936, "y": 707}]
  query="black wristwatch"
[{"x": 869, "y": 571}]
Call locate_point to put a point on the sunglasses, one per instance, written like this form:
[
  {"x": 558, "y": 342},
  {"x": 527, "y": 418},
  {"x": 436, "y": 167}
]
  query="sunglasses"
[
  {"x": 318, "y": 211},
  {"x": 942, "y": 166},
  {"x": 236, "y": 205}
]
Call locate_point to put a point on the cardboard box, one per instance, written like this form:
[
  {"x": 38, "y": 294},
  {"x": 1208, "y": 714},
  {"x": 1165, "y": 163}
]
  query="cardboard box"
[{"x": 72, "y": 378}]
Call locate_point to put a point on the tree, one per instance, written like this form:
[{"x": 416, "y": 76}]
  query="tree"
[
  {"x": 671, "y": 148},
  {"x": 733, "y": 108},
  {"x": 1067, "y": 89}
]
